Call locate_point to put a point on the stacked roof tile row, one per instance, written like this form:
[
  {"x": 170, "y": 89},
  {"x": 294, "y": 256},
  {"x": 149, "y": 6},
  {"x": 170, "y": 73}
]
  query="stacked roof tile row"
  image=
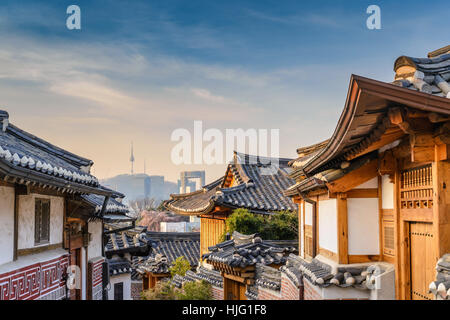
[
  {"x": 441, "y": 287},
  {"x": 430, "y": 75},
  {"x": 24, "y": 150},
  {"x": 250, "y": 251}
]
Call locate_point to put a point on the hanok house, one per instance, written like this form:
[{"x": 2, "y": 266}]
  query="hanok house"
[
  {"x": 250, "y": 182},
  {"x": 373, "y": 200},
  {"x": 44, "y": 228},
  {"x": 166, "y": 248},
  {"x": 238, "y": 259},
  {"x": 123, "y": 241}
]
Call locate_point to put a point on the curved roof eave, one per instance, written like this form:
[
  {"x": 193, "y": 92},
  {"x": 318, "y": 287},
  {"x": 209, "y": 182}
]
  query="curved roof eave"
[{"x": 388, "y": 91}]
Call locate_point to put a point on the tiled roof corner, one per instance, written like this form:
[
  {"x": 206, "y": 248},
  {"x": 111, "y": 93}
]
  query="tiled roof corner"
[{"x": 430, "y": 75}]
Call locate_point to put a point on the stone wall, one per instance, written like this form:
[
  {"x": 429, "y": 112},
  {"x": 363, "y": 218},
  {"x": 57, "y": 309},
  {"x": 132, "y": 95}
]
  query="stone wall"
[
  {"x": 310, "y": 291},
  {"x": 217, "y": 293},
  {"x": 136, "y": 289},
  {"x": 289, "y": 290},
  {"x": 268, "y": 294}
]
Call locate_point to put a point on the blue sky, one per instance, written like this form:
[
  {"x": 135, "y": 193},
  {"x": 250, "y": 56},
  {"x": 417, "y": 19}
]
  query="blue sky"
[{"x": 137, "y": 70}]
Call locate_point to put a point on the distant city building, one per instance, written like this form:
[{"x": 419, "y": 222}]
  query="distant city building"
[
  {"x": 180, "y": 226},
  {"x": 185, "y": 184},
  {"x": 139, "y": 186}
]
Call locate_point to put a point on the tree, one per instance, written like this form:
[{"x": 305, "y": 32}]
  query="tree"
[
  {"x": 241, "y": 220},
  {"x": 196, "y": 290},
  {"x": 279, "y": 226},
  {"x": 163, "y": 290},
  {"x": 180, "y": 266}
]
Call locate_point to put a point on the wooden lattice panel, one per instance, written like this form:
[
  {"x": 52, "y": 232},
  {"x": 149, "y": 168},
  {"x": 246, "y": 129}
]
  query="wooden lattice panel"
[
  {"x": 416, "y": 189},
  {"x": 388, "y": 238},
  {"x": 309, "y": 244}
]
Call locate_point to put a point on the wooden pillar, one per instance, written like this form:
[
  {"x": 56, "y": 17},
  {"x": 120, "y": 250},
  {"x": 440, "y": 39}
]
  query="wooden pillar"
[
  {"x": 303, "y": 237},
  {"x": 342, "y": 226},
  {"x": 16, "y": 223},
  {"x": 441, "y": 206},
  {"x": 380, "y": 218}
]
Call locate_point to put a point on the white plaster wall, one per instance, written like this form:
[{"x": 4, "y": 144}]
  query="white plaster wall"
[
  {"x": 6, "y": 224},
  {"x": 373, "y": 183},
  {"x": 328, "y": 225},
  {"x": 26, "y": 219},
  {"x": 126, "y": 279},
  {"x": 95, "y": 245},
  {"x": 363, "y": 226},
  {"x": 300, "y": 231},
  {"x": 309, "y": 214},
  {"x": 387, "y": 193}
]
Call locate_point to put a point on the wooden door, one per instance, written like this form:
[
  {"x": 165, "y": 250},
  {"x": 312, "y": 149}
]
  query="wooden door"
[
  {"x": 234, "y": 290},
  {"x": 75, "y": 259},
  {"x": 422, "y": 260}
]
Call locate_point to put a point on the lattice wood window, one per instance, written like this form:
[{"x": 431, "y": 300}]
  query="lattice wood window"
[
  {"x": 388, "y": 238},
  {"x": 42, "y": 221},
  {"x": 416, "y": 189},
  {"x": 309, "y": 243},
  {"x": 118, "y": 291}
]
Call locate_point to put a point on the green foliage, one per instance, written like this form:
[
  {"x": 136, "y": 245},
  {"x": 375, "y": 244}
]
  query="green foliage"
[
  {"x": 280, "y": 226},
  {"x": 180, "y": 266},
  {"x": 244, "y": 222},
  {"x": 163, "y": 290},
  {"x": 197, "y": 290}
]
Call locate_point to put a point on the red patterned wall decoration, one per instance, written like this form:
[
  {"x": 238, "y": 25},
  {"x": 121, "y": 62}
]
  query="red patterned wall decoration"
[
  {"x": 95, "y": 271},
  {"x": 35, "y": 281}
]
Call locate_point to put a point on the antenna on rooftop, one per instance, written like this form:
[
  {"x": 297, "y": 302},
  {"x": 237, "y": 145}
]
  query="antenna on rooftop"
[{"x": 132, "y": 158}]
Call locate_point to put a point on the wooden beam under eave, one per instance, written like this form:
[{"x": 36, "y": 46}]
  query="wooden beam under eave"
[
  {"x": 354, "y": 178},
  {"x": 422, "y": 147},
  {"x": 389, "y": 136},
  {"x": 342, "y": 227},
  {"x": 442, "y": 152}
]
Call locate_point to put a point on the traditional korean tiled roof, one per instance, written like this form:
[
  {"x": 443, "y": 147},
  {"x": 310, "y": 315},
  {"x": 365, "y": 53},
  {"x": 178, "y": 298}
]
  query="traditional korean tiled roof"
[
  {"x": 197, "y": 202},
  {"x": 32, "y": 159},
  {"x": 321, "y": 274},
  {"x": 129, "y": 241},
  {"x": 119, "y": 266},
  {"x": 306, "y": 153},
  {"x": 441, "y": 287},
  {"x": 112, "y": 207},
  {"x": 430, "y": 75},
  {"x": 136, "y": 262},
  {"x": 321, "y": 178},
  {"x": 178, "y": 280},
  {"x": 258, "y": 187},
  {"x": 166, "y": 248},
  {"x": 156, "y": 264},
  {"x": 201, "y": 274},
  {"x": 363, "y": 121},
  {"x": 251, "y": 292},
  {"x": 212, "y": 276},
  {"x": 243, "y": 251},
  {"x": 268, "y": 277},
  {"x": 176, "y": 244},
  {"x": 292, "y": 270}
]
